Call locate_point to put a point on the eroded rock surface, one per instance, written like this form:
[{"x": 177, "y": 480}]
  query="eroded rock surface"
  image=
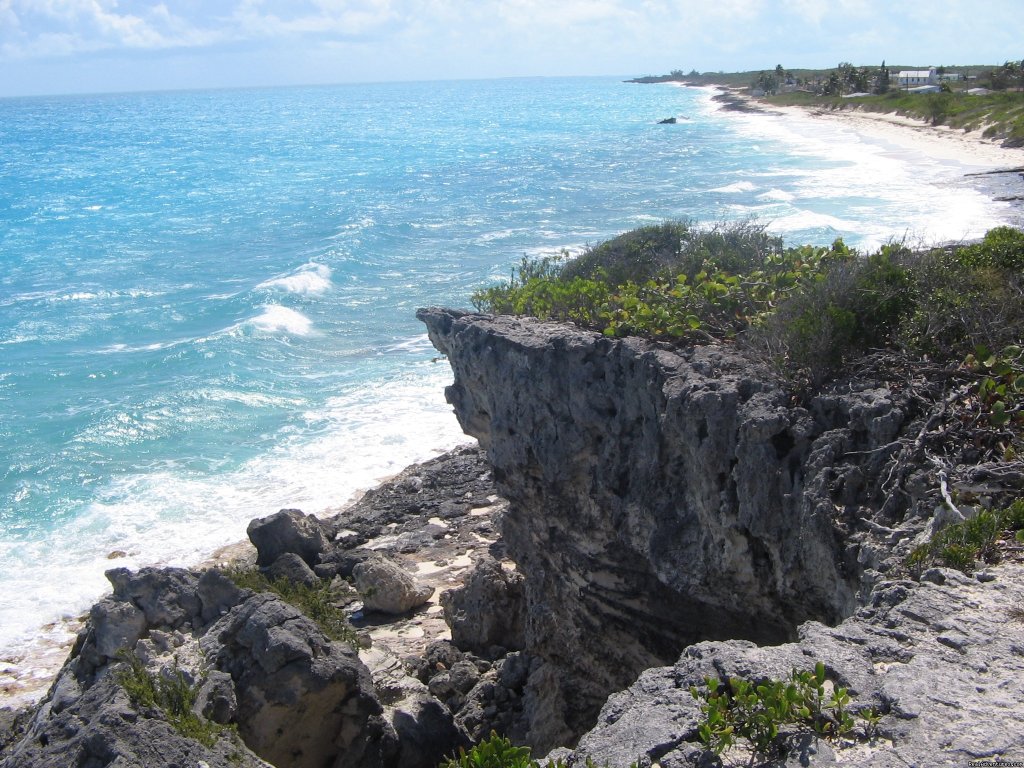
[
  {"x": 944, "y": 664},
  {"x": 661, "y": 497},
  {"x": 303, "y": 701},
  {"x": 297, "y": 698},
  {"x": 487, "y": 614}
]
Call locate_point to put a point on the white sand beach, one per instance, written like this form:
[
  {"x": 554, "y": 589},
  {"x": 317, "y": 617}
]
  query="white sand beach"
[{"x": 939, "y": 142}]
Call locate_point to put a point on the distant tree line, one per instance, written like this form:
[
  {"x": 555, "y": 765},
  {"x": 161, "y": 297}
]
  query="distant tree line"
[
  {"x": 846, "y": 78},
  {"x": 1009, "y": 75}
]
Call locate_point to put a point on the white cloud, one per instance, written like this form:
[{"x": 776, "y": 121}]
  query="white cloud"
[
  {"x": 47, "y": 28},
  {"x": 314, "y": 40},
  {"x": 818, "y": 11},
  {"x": 261, "y": 19}
]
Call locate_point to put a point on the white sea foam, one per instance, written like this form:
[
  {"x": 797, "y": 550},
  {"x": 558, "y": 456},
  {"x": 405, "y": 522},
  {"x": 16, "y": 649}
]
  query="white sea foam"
[
  {"x": 904, "y": 189},
  {"x": 739, "y": 186},
  {"x": 310, "y": 280},
  {"x": 131, "y": 293},
  {"x": 276, "y": 318},
  {"x": 178, "y": 518},
  {"x": 805, "y": 220},
  {"x": 776, "y": 195}
]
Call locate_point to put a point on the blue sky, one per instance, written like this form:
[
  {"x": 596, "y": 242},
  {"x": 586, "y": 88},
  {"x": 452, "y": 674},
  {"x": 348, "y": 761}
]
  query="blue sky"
[{"x": 76, "y": 46}]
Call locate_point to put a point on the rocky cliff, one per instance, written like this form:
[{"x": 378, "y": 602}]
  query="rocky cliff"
[
  {"x": 660, "y": 497},
  {"x": 669, "y": 514}
]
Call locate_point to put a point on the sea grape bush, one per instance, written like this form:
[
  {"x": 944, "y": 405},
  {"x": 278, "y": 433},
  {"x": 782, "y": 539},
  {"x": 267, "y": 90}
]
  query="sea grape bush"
[
  {"x": 493, "y": 752},
  {"x": 1001, "y": 387},
  {"x": 808, "y": 310},
  {"x": 720, "y": 283},
  {"x": 764, "y": 716}
]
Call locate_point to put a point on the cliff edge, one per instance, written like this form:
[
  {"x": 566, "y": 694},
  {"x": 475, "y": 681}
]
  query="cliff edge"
[{"x": 661, "y": 497}]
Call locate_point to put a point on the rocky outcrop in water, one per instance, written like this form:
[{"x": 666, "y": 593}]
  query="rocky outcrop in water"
[{"x": 661, "y": 497}]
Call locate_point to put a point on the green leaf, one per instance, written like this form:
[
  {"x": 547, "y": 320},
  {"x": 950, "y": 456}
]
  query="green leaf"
[{"x": 999, "y": 418}]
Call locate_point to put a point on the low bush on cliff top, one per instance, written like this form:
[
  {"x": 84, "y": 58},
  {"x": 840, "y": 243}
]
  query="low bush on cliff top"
[
  {"x": 982, "y": 538},
  {"x": 766, "y": 717},
  {"x": 809, "y": 310},
  {"x": 669, "y": 282}
]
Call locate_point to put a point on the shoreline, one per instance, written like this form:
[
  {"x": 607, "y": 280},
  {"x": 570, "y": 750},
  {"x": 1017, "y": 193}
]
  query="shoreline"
[
  {"x": 939, "y": 141},
  {"x": 25, "y": 678}
]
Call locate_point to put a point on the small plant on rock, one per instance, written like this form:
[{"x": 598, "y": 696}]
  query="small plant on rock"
[
  {"x": 764, "y": 715},
  {"x": 493, "y": 752},
  {"x": 318, "y": 603},
  {"x": 1001, "y": 388},
  {"x": 171, "y": 694},
  {"x": 498, "y": 752},
  {"x": 961, "y": 545}
]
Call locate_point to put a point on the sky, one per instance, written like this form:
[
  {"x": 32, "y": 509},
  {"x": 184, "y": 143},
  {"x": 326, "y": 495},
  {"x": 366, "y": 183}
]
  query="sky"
[{"x": 97, "y": 46}]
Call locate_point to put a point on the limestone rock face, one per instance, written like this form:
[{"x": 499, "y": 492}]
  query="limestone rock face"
[
  {"x": 87, "y": 718},
  {"x": 99, "y": 726},
  {"x": 386, "y": 587},
  {"x": 489, "y": 611},
  {"x": 657, "y": 498},
  {"x": 425, "y": 731},
  {"x": 117, "y": 625},
  {"x": 303, "y": 701},
  {"x": 944, "y": 664},
  {"x": 298, "y": 699},
  {"x": 289, "y": 530}
]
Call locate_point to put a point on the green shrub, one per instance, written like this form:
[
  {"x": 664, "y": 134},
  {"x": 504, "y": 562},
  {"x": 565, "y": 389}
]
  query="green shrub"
[
  {"x": 634, "y": 256},
  {"x": 961, "y": 545},
  {"x": 172, "y": 695},
  {"x": 883, "y": 294},
  {"x": 856, "y": 304},
  {"x": 498, "y": 752},
  {"x": 493, "y": 752},
  {"x": 318, "y": 603},
  {"x": 765, "y": 715},
  {"x": 808, "y": 309},
  {"x": 668, "y": 282},
  {"x": 671, "y": 249},
  {"x": 1000, "y": 391},
  {"x": 1002, "y": 248},
  {"x": 968, "y": 296}
]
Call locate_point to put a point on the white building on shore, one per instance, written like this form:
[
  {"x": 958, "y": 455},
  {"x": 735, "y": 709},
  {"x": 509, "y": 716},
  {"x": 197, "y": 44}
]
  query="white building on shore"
[{"x": 911, "y": 77}]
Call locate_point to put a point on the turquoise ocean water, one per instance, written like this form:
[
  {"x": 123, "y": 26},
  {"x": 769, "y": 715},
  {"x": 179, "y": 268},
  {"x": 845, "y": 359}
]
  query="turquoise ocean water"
[{"x": 206, "y": 298}]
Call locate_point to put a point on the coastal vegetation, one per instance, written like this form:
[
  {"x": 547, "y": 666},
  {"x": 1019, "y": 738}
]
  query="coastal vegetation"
[
  {"x": 982, "y": 538},
  {"x": 320, "y": 603},
  {"x": 987, "y": 98},
  {"x": 999, "y": 115},
  {"x": 766, "y": 716},
  {"x": 172, "y": 695},
  {"x": 808, "y": 309},
  {"x": 499, "y": 752}
]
